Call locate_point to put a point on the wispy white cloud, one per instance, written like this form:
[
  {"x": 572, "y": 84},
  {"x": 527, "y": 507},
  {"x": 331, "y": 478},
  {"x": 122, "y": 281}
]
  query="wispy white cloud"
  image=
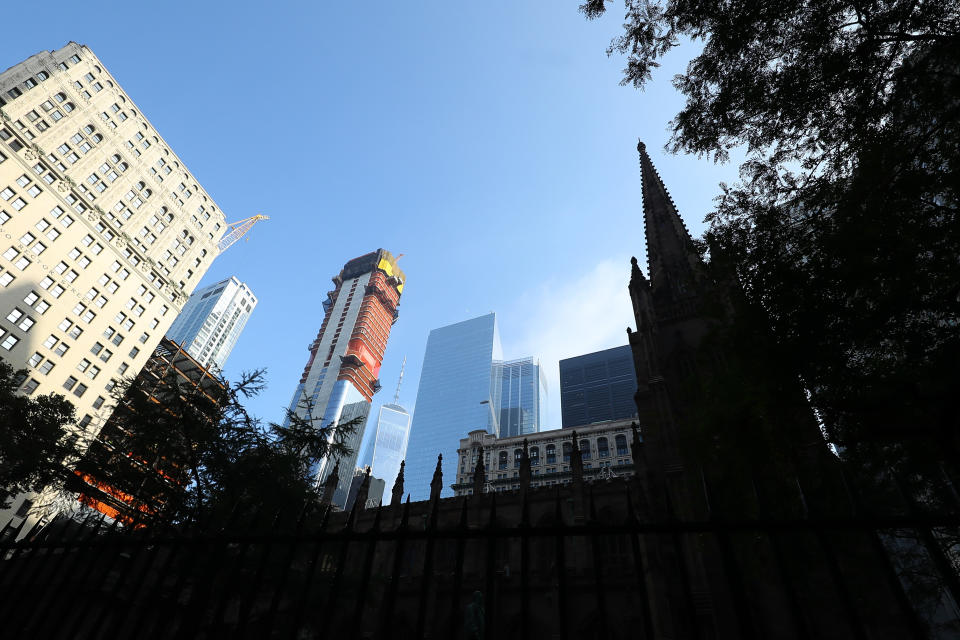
[{"x": 570, "y": 316}]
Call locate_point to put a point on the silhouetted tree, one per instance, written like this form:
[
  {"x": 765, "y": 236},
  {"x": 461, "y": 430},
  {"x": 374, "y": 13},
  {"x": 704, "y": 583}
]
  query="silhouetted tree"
[
  {"x": 34, "y": 437},
  {"x": 175, "y": 452},
  {"x": 844, "y": 227}
]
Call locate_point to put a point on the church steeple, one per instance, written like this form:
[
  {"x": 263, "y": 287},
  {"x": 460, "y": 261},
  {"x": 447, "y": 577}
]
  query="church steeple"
[
  {"x": 673, "y": 264},
  {"x": 670, "y": 319}
]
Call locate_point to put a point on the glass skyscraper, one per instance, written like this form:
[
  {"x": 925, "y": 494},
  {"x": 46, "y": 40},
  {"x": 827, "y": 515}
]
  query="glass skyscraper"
[
  {"x": 455, "y": 397},
  {"x": 211, "y": 321},
  {"x": 386, "y": 445},
  {"x": 520, "y": 397},
  {"x": 598, "y": 386}
]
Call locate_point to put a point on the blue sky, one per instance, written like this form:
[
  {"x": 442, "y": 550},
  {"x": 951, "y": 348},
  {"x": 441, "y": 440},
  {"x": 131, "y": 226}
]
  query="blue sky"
[{"x": 488, "y": 142}]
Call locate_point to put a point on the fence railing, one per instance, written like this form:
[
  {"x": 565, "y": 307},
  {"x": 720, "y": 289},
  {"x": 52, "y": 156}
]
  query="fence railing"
[{"x": 522, "y": 565}]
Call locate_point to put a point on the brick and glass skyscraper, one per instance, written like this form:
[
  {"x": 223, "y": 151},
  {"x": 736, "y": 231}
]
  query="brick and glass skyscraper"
[{"x": 341, "y": 375}]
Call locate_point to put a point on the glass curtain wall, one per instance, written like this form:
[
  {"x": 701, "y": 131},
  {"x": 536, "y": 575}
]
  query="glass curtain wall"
[{"x": 455, "y": 397}]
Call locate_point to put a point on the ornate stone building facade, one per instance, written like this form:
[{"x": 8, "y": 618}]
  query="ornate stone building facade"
[
  {"x": 104, "y": 231},
  {"x": 603, "y": 448}
]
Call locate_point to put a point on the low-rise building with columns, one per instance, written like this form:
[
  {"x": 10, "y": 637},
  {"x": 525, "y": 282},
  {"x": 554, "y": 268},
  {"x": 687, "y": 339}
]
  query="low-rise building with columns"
[{"x": 604, "y": 447}]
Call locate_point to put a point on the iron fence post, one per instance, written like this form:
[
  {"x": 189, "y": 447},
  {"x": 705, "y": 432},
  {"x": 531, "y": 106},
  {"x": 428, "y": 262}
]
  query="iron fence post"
[
  {"x": 297, "y": 618},
  {"x": 372, "y": 534},
  {"x": 639, "y": 568},
  {"x": 389, "y": 599}
]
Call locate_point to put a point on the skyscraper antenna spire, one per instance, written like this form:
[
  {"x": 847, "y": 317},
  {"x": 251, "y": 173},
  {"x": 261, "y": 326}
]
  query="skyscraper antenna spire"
[{"x": 396, "y": 396}]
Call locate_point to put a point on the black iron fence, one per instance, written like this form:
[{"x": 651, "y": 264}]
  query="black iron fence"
[{"x": 537, "y": 564}]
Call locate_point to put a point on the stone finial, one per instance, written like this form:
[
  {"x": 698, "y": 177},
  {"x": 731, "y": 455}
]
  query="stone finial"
[
  {"x": 436, "y": 484},
  {"x": 330, "y": 485},
  {"x": 525, "y": 468},
  {"x": 641, "y": 148},
  {"x": 479, "y": 473},
  {"x": 360, "y": 502},
  {"x": 396, "y": 496},
  {"x": 636, "y": 449},
  {"x": 576, "y": 461},
  {"x": 576, "y": 484}
]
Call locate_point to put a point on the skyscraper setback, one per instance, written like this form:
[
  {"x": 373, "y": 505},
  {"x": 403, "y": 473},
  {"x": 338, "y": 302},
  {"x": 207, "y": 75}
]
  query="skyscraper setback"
[
  {"x": 341, "y": 375},
  {"x": 211, "y": 321}
]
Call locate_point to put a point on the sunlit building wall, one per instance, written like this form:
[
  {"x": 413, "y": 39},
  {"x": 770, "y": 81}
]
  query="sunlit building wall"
[{"x": 104, "y": 231}]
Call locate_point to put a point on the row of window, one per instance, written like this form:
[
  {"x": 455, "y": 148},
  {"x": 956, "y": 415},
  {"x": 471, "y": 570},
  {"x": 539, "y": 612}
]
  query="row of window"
[
  {"x": 545, "y": 482},
  {"x": 55, "y": 115},
  {"x": 34, "y": 300},
  {"x": 134, "y": 197},
  {"x": 30, "y": 83},
  {"x": 12, "y": 198},
  {"x": 84, "y": 142},
  {"x": 30, "y": 385},
  {"x": 139, "y": 142},
  {"x": 59, "y": 347},
  {"x": 55, "y": 108},
  {"x": 603, "y": 451}
]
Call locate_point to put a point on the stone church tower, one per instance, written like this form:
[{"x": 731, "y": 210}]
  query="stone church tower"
[{"x": 698, "y": 468}]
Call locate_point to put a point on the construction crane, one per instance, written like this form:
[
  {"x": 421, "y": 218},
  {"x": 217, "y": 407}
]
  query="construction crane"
[{"x": 237, "y": 230}]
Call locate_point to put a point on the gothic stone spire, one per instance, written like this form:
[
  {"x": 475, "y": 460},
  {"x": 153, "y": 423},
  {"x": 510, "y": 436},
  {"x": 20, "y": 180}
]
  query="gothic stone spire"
[
  {"x": 363, "y": 492},
  {"x": 525, "y": 471},
  {"x": 436, "y": 484},
  {"x": 672, "y": 262},
  {"x": 396, "y": 496},
  {"x": 479, "y": 473},
  {"x": 330, "y": 486}
]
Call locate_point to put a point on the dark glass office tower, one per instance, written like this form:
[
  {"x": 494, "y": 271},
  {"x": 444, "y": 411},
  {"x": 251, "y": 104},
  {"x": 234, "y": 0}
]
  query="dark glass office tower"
[{"x": 597, "y": 386}]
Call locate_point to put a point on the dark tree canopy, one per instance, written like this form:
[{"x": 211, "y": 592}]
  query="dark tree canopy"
[
  {"x": 844, "y": 228},
  {"x": 34, "y": 440},
  {"x": 806, "y": 77},
  {"x": 176, "y": 452}
]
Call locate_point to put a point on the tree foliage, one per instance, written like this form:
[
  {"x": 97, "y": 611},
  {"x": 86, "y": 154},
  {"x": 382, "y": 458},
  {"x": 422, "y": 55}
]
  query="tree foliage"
[
  {"x": 844, "y": 227},
  {"x": 34, "y": 438},
  {"x": 174, "y": 451}
]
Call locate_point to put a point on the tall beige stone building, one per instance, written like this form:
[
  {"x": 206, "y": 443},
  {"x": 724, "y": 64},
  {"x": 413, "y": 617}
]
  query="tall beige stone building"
[{"x": 103, "y": 230}]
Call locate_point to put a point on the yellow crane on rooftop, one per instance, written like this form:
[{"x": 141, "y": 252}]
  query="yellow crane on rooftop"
[{"x": 237, "y": 230}]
